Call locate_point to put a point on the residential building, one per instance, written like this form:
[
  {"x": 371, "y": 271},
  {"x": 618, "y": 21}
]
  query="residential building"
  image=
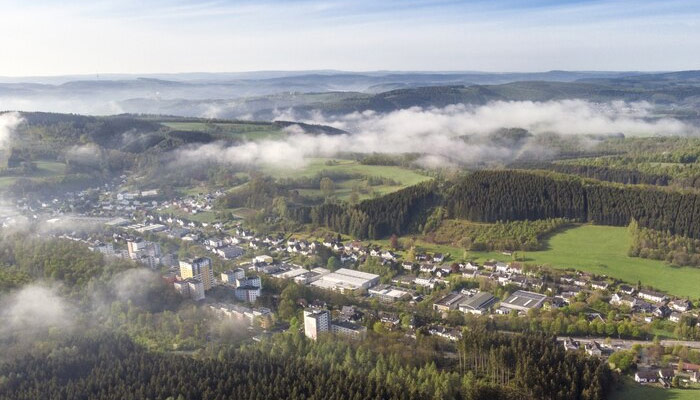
[
  {"x": 230, "y": 276},
  {"x": 200, "y": 269},
  {"x": 646, "y": 376},
  {"x": 190, "y": 288},
  {"x": 316, "y": 322},
  {"x": 247, "y": 293},
  {"x": 348, "y": 329},
  {"x": 652, "y": 296}
]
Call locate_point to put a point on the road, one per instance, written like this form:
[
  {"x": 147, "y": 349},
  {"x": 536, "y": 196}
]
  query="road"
[{"x": 626, "y": 344}]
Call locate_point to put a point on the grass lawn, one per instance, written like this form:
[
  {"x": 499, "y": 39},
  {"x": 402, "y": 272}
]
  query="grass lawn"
[
  {"x": 405, "y": 177},
  {"x": 603, "y": 250},
  {"x": 45, "y": 169},
  {"x": 238, "y": 130},
  {"x": 632, "y": 391}
]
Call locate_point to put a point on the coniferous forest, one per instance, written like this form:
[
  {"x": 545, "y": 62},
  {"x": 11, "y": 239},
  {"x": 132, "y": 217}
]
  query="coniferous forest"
[
  {"x": 113, "y": 367},
  {"x": 514, "y": 195}
]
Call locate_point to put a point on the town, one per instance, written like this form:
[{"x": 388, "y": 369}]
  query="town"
[{"x": 225, "y": 267}]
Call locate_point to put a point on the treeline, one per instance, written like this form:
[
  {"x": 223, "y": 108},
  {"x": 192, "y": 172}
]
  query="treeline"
[
  {"x": 109, "y": 367},
  {"x": 657, "y": 245},
  {"x": 619, "y": 175},
  {"x": 490, "y": 196},
  {"x": 535, "y": 364},
  {"x": 396, "y": 213},
  {"x": 23, "y": 258},
  {"x": 510, "y": 235}
]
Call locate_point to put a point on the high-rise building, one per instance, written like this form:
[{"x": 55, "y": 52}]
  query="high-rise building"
[
  {"x": 200, "y": 269},
  {"x": 316, "y": 322}
]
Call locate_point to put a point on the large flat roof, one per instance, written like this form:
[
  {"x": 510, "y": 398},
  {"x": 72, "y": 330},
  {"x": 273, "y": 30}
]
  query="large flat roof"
[{"x": 523, "y": 299}]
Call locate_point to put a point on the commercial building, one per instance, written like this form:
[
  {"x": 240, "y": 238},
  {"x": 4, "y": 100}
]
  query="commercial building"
[
  {"x": 200, "y": 269},
  {"x": 449, "y": 302},
  {"x": 388, "y": 293},
  {"x": 523, "y": 301},
  {"x": 477, "y": 304},
  {"x": 345, "y": 279}
]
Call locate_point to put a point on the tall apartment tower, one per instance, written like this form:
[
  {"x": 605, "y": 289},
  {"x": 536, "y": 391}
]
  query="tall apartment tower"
[
  {"x": 200, "y": 269},
  {"x": 316, "y": 322}
]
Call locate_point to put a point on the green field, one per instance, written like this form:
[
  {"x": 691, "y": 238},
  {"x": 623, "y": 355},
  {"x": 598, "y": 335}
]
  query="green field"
[
  {"x": 45, "y": 169},
  {"x": 633, "y": 391},
  {"x": 238, "y": 130},
  {"x": 405, "y": 177},
  {"x": 603, "y": 250}
]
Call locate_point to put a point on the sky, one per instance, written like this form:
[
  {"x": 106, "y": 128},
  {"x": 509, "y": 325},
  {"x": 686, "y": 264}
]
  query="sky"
[{"x": 47, "y": 37}]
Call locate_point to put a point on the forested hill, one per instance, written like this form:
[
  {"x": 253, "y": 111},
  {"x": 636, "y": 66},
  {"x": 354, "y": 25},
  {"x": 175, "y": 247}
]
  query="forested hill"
[
  {"x": 517, "y": 195},
  {"x": 663, "y": 92},
  {"x": 508, "y": 195}
]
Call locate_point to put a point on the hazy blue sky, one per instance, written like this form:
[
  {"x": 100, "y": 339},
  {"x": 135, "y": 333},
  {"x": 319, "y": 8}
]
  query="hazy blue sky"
[{"x": 138, "y": 36}]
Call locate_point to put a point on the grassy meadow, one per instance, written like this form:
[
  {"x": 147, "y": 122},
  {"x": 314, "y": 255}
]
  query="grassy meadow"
[
  {"x": 404, "y": 177},
  {"x": 630, "y": 390},
  {"x": 231, "y": 130},
  {"x": 603, "y": 250}
]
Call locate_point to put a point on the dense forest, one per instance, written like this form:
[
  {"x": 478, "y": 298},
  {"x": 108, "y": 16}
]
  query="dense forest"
[
  {"x": 619, "y": 175},
  {"x": 491, "y": 366},
  {"x": 490, "y": 196},
  {"x": 512, "y": 195},
  {"x": 395, "y": 213}
]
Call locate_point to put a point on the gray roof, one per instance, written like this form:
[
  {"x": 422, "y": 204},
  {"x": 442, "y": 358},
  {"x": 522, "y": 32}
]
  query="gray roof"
[
  {"x": 524, "y": 300},
  {"x": 479, "y": 301}
]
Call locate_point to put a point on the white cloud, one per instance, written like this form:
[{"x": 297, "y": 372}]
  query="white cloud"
[
  {"x": 439, "y": 133},
  {"x": 33, "y": 309},
  {"x": 8, "y": 122}
]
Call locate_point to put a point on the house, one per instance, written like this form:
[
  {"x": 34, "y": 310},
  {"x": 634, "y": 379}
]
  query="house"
[
  {"x": 652, "y": 296},
  {"x": 502, "y": 267},
  {"x": 661, "y": 312},
  {"x": 681, "y": 305},
  {"x": 675, "y": 317},
  {"x": 408, "y": 266},
  {"x": 490, "y": 265},
  {"x": 425, "y": 282},
  {"x": 571, "y": 345},
  {"x": 666, "y": 373},
  {"x": 438, "y": 257},
  {"x": 428, "y": 268},
  {"x": 600, "y": 285},
  {"x": 623, "y": 300},
  {"x": 593, "y": 349},
  {"x": 647, "y": 376},
  {"x": 626, "y": 289},
  {"x": 388, "y": 255},
  {"x": 471, "y": 267}
]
